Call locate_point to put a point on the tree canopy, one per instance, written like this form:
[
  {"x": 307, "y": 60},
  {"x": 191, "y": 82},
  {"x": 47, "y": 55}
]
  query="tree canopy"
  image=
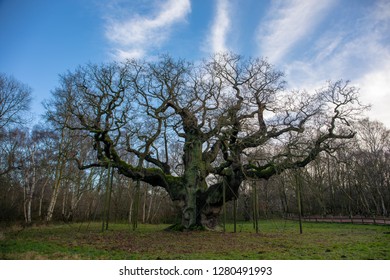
[{"x": 192, "y": 128}]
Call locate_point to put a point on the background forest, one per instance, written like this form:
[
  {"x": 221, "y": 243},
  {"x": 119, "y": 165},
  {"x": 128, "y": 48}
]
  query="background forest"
[{"x": 39, "y": 181}]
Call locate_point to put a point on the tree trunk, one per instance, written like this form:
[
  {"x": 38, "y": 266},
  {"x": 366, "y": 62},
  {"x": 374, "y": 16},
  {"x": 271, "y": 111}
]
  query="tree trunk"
[
  {"x": 156, "y": 210},
  {"x": 255, "y": 207},
  {"x": 131, "y": 198},
  {"x": 65, "y": 194},
  {"x": 298, "y": 185},
  {"x": 41, "y": 198},
  {"x": 207, "y": 203},
  {"x": 30, "y": 181},
  {"x": 144, "y": 206},
  {"x": 148, "y": 216},
  {"x": 199, "y": 209},
  {"x": 194, "y": 181},
  {"x": 56, "y": 190},
  {"x": 58, "y": 177},
  {"x": 135, "y": 205},
  {"x": 25, "y": 204}
]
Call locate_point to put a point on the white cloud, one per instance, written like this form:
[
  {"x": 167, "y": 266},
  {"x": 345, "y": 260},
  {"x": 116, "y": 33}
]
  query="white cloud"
[
  {"x": 375, "y": 90},
  {"x": 361, "y": 54},
  {"x": 216, "y": 40},
  {"x": 287, "y": 23},
  {"x": 134, "y": 36}
]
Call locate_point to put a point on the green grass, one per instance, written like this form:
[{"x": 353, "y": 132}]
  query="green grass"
[{"x": 277, "y": 240}]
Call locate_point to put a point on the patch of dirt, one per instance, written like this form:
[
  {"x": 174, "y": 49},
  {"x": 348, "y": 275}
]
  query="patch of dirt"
[{"x": 169, "y": 244}]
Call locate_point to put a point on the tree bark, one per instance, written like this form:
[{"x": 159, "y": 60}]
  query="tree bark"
[
  {"x": 58, "y": 175},
  {"x": 56, "y": 190}
]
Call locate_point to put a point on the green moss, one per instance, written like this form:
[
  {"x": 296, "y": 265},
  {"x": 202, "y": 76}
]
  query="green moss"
[{"x": 173, "y": 180}]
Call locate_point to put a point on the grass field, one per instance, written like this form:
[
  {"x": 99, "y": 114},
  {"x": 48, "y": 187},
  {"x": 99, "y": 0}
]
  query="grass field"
[{"x": 277, "y": 240}]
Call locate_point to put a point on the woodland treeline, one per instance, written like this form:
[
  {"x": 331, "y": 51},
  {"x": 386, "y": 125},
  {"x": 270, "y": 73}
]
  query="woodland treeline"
[
  {"x": 41, "y": 179},
  {"x": 353, "y": 181}
]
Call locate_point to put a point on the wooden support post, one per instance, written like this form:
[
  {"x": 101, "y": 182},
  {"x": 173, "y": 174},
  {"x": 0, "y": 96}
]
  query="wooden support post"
[
  {"x": 235, "y": 214},
  {"x": 224, "y": 203},
  {"x": 255, "y": 207},
  {"x": 106, "y": 199},
  {"x": 110, "y": 180},
  {"x": 299, "y": 200},
  {"x": 134, "y": 218}
]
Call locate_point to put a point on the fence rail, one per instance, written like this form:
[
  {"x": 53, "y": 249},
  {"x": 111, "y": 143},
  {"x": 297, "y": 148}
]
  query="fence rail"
[{"x": 345, "y": 219}]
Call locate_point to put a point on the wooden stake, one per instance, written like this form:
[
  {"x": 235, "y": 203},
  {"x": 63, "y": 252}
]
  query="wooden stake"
[
  {"x": 299, "y": 200},
  {"x": 224, "y": 204},
  {"x": 255, "y": 206}
]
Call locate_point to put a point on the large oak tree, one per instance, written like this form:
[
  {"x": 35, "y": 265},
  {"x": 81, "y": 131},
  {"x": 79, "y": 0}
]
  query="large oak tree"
[{"x": 229, "y": 118}]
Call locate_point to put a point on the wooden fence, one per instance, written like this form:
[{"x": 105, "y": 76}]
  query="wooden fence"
[{"x": 345, "y": 219}]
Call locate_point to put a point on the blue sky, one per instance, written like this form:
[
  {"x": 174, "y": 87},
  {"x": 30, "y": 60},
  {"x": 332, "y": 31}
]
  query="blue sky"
[{"x": 312, "y": 41}]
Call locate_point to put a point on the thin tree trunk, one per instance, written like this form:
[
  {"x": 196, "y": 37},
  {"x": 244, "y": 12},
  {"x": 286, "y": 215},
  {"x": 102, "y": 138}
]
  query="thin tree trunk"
[
  {"x": 224, "y": 205},
  {"x": 57, "y": 182},
  {"x": 65, "y": 199},
  {"x": 41, "y": 198},
  {"x": 131, "y": 211},
  {"x": 25, "y": 202},
  {"x": 58, "y": 174},
  {"x": 54, "y": 197},
  {"x": 31, "y": 192},
  {"x": 255, "y": 207},
  {"x": 29, "y": 203},
  {"x": 106, "y": 208},
  {"x": 111, "y": 178},
  {"x": 235, "y": 214},
  {"x": 134, "y": 217},
  {"x": 29, "y": 187},
  {"x": 382, "y": 201},
  {"x": 156, "y": 210},
  {"x": 152, "y": 196},
  {"x": 266, "y": 206},
  {"x": 131, "y": 198},
  {"x": 144, "y": 204},
  {"x": 299, "y": 201}
]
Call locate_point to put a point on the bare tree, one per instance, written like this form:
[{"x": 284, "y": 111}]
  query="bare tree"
[
  {"x": 30, "y": 177},
  {"x": 15, "y": 98},
  {"x": 223, "y": 113},
  {"x": 372, "y": 161}
]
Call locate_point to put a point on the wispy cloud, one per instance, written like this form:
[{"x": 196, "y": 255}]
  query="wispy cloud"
[
  {"x": 374, "y": 83},
  {"x": 286, "y": 23},
  {"x": 216, "y": 40},
  {"x": 359, "y": 54},
  {"x": 133, "y": 36}
]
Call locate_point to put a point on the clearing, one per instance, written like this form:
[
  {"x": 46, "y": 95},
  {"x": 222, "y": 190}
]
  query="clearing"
[{"x": 277, "y": 240}]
